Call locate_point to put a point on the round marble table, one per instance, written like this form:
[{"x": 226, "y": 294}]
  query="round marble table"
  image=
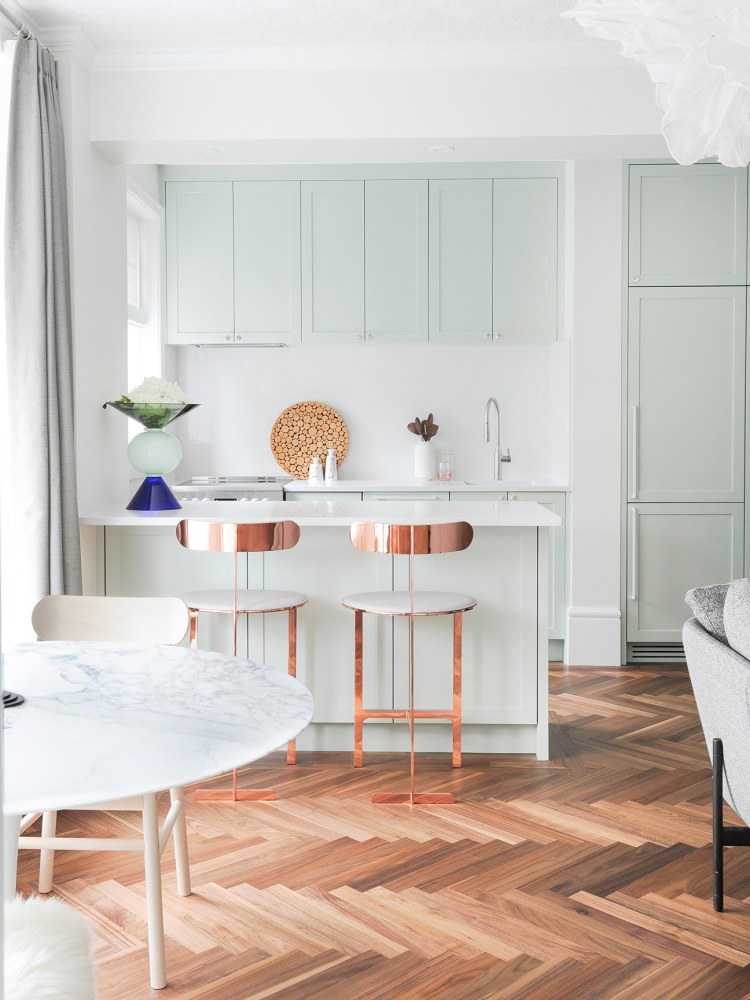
[{"x": 105, "y": 720}]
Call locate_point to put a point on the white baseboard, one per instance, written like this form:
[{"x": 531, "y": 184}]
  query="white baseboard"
[{"x": 593, "y": 637}]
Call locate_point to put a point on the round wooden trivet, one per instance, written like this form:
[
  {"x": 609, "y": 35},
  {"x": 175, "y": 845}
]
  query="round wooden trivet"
[{"x": 304, "y": 430}]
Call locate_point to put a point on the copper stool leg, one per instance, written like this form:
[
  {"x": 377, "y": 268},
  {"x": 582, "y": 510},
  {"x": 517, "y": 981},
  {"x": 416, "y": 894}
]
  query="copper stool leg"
[
  {"x": 291, "y": 748},
  {"x": 358, "y": 713},
  {"x": 456, "y": 719},
  {"x": 193, "y": 628}
]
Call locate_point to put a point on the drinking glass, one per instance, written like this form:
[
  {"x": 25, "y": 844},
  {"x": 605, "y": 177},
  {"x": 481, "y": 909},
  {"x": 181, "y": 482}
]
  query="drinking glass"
[{"x": 445, "y": 466}]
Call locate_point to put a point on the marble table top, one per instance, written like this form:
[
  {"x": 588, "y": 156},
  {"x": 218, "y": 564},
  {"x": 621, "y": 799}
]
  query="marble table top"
[{"x": 106, "y": 720}]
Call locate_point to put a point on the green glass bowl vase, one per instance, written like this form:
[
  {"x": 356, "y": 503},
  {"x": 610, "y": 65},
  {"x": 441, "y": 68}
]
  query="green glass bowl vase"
[{"x": 154, "y": 452}]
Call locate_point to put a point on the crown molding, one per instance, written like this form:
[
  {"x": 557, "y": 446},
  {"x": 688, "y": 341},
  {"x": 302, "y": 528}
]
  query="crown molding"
[
  {"x": 69, "y": 39},
  {"x": 340, "y": 57}
]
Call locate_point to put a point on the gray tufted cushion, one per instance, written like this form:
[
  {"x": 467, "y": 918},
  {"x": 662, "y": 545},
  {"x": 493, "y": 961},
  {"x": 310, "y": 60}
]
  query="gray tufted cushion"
[
  {"x": 707, "y": 604},
  {"x": 737, "y": 617}
]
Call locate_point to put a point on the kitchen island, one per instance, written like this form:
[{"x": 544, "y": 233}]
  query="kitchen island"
[{"x": 505, "y": 657}]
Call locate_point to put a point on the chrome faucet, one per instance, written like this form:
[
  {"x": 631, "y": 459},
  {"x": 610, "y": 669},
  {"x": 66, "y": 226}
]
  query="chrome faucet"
[{"x": 499, "y": 457}]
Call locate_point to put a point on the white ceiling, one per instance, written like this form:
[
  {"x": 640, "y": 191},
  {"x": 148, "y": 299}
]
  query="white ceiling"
[{"x": 392, "y": 31}]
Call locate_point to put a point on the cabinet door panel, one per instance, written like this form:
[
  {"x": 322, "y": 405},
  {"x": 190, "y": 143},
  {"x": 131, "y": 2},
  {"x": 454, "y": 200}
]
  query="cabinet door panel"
[
  {"x": 499, "y": 635},
  {"x": 396, "y": 260},
  {"x": 333, "y": 262},
  {"x": 686, "y": 394},
  {"x": 200, "y": 278},
  {"x": 267, "y": 262},
  {"x": 525, "y": 260},
  {"x": 688, "y": 225},
  {"x": 325, "y": 565},
  {"x": 672, "y": 548},
  {"x": 460, "y": 260},
  {"x": 556, "y": 562}
]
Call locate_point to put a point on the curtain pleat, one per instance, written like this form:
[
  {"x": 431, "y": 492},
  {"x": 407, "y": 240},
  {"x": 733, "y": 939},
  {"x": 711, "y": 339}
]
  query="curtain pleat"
[{"x": 44, "y": 514}]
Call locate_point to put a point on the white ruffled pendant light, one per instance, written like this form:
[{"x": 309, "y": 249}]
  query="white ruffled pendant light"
[{"x": 697, "y": 52}]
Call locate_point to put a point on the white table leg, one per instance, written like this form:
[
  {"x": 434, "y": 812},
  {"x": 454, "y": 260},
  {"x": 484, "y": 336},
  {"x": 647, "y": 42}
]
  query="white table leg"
[
  {"x": 181, "y": 860},
  {"x": 152, "y": 858},
  {"x": 11, "y": 833}
]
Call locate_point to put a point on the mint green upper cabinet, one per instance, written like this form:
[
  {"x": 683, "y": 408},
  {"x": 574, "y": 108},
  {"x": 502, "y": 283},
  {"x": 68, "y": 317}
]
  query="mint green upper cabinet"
[
  {"x": 688, "y": 225},
  {"x": 267, "y": 262},
  {"x": 460, "y": 260},
  {"x": 686, "y": 394},
  {"x": 396, "y": 260},
  {"x": 200, "y": 278},
  {"x": 672, "y": 548},
  {"x": 525, "y": 260},
  {"x": 333, "y": 262}
]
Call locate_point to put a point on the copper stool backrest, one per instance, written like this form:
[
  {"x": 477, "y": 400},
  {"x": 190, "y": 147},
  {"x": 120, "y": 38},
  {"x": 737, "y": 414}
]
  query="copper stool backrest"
[
  {"x": 227, "y": 536},
  {"x": 411, "y": 539}
]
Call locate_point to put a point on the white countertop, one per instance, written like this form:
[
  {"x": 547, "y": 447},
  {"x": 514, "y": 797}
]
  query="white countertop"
[
  {"x": 432, "y": 486},
  {"x": 104, "y": 720},
  {"x": 333, "y": 513}
]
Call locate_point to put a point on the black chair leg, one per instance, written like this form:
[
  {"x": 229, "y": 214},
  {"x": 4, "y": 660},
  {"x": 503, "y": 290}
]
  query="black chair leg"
[{"x": 718, "y": 825}]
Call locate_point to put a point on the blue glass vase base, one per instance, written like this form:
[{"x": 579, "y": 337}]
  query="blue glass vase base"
[{"x": 154, "y": 494}]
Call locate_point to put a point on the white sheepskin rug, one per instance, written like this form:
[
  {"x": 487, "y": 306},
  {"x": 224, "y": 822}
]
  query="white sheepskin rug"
[{"x": 47, "y": 954}]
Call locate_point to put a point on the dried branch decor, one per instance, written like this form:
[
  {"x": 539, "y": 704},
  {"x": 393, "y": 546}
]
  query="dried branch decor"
[{"x": 426, "y": 429}]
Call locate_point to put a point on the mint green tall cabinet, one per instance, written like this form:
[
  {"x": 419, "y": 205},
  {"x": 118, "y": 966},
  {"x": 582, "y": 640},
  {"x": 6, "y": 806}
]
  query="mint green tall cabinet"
[
  {"x": 461, "y": 260},
  {"x": 333, "y": 261},
  {"x": 687, "y": 225},
  {"x": 685, "y": 399},
  {"x": 200, "y": 262},
  {"x": 396, "y": 229},
  {"x": 686, "y": 394},
  {"x": 673, "y": 547},
  {"x": 267, "y": 262}
]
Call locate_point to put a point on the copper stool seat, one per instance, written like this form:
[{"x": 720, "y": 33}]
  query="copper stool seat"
[
  {"x": 249, "y": 602},
  {"x": 411, "y": 540},
  {"x": 397, "y": 603},
  {"x": 228, "y": 537}
]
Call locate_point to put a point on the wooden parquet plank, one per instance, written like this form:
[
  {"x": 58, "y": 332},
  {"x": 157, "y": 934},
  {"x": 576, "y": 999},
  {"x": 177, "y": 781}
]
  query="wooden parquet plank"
[{"x": 586, "y": 877}]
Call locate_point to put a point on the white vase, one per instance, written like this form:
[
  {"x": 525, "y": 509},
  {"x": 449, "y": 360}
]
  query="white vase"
[{"x": 424, "y": 461}]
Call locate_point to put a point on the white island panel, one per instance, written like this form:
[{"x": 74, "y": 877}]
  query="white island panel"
[{"x": 505, "y": 638}]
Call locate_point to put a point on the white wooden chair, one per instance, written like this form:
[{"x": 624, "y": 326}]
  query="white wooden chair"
[{"x": 151, "y": 621}]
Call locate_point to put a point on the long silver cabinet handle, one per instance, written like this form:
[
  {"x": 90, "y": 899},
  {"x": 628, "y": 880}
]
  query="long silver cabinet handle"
[
  {"x": 633, "y": 554},
  {"x": 634, "y": 452}
]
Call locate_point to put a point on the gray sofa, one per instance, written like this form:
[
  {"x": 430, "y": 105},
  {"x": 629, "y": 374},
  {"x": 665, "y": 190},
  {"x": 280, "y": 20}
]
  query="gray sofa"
[{"x": 720, "y": 676}]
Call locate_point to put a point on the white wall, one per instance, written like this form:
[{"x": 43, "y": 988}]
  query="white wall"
[
  {"x": 593, "y": 629},
  {"x": 96, "y": 211},
  {"x": 213, "y": 105},
  {"x": 377, "y": 390}
]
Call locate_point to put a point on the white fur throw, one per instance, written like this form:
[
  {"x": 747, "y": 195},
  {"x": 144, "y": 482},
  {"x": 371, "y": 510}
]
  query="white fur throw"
[{"x": 47, "y": 952}]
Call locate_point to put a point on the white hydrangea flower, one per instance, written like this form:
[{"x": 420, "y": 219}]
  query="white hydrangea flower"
[{"x": 157, "y": 391}]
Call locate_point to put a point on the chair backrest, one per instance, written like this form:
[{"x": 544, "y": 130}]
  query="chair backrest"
[
  {"x": 411, "y": 539},
  {"x": 147, "y": 620},
  {"x": 227, "y": 536}
]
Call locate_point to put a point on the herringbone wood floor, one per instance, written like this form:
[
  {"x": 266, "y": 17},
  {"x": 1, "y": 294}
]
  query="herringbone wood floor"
[{"x": 586, "y": 877}]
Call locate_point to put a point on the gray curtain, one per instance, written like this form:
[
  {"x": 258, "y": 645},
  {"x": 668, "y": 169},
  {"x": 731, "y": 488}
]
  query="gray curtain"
[{"x": 44, "y": 514}]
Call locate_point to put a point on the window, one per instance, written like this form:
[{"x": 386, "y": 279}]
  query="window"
[{"x": 143, "y": 277}]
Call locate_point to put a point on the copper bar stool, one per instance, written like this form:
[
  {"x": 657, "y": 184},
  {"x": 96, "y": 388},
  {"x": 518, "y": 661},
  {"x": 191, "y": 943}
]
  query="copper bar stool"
[
  {"x": 412, "y": 540},
  {"x": 219, "y": 536}
]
